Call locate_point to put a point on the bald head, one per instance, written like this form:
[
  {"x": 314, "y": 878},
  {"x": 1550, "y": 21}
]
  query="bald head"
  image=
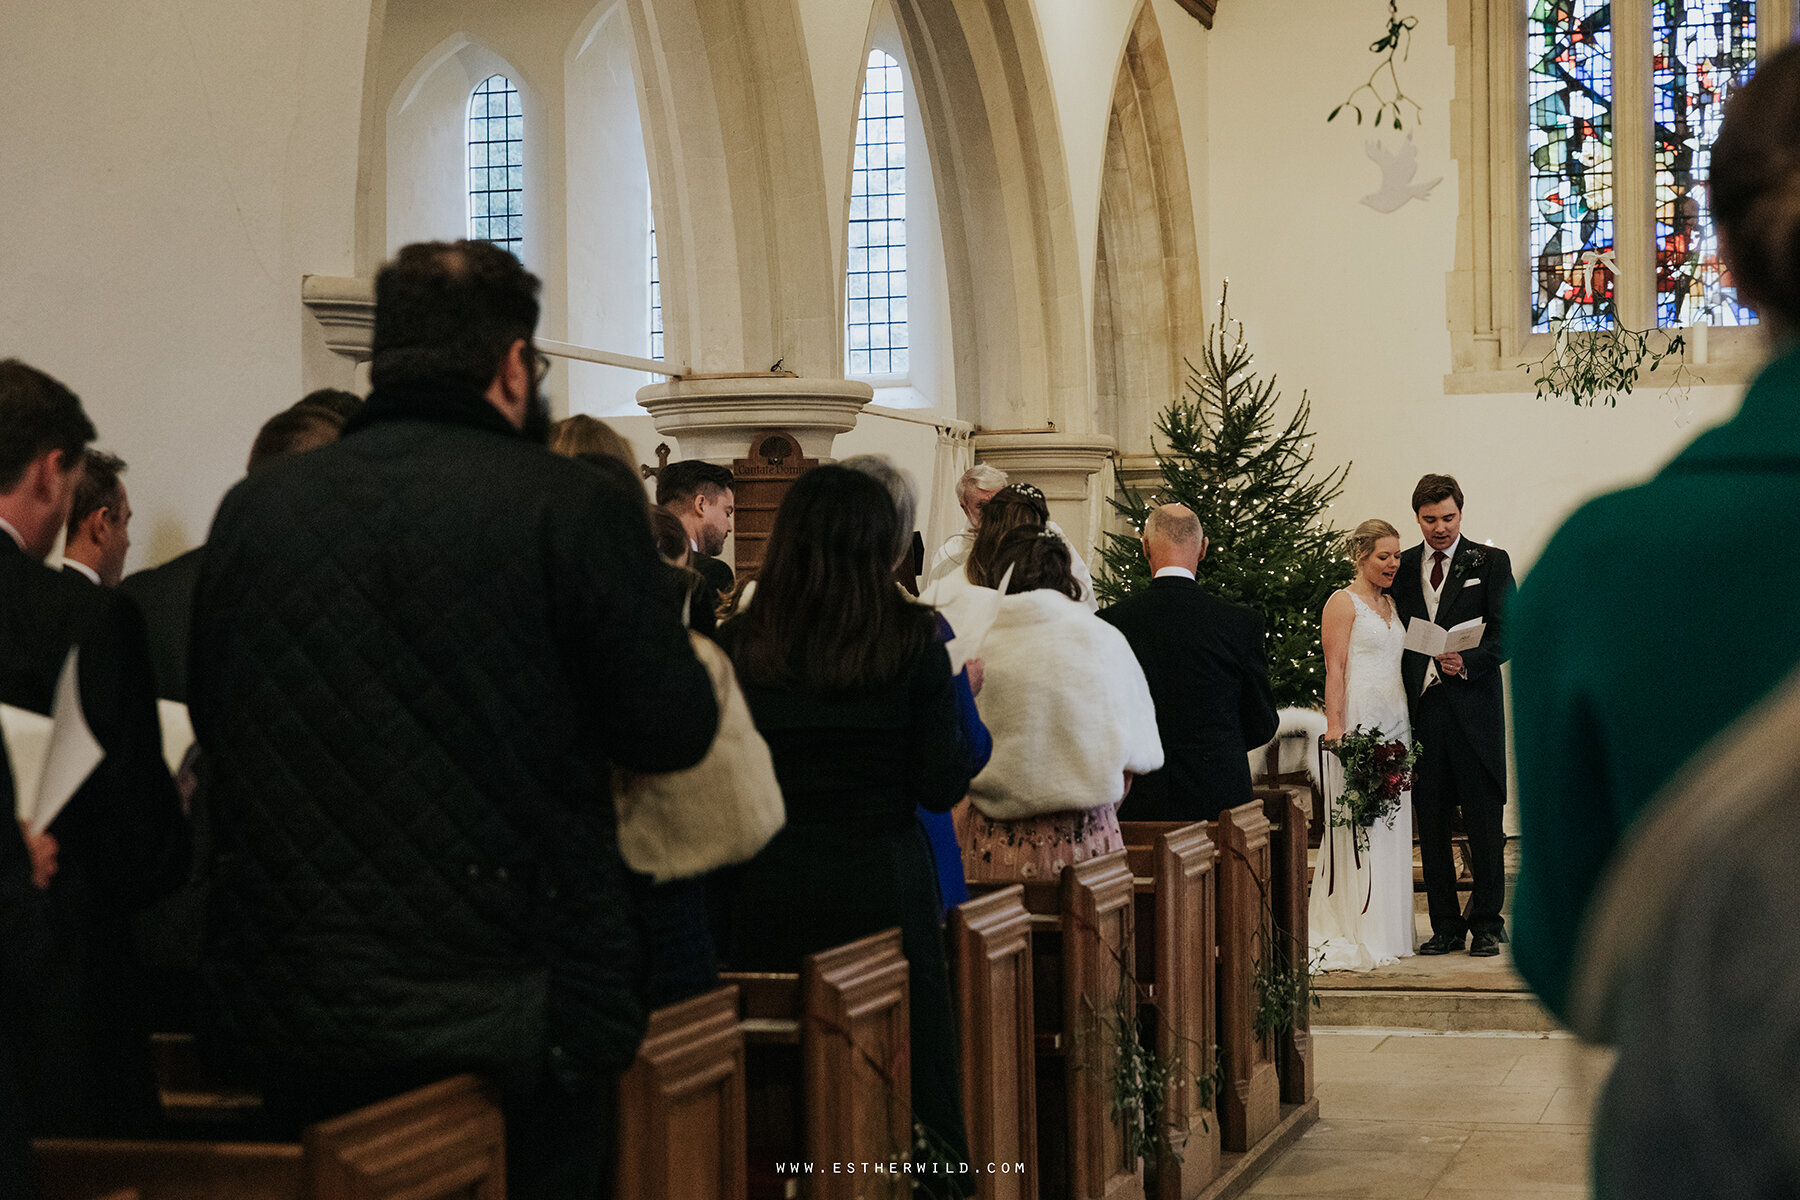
[{"x": 1172, "y": 538}]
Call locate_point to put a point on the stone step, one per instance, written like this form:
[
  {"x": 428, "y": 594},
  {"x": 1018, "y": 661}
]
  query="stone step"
[{"x": 1441, "y": 1010}]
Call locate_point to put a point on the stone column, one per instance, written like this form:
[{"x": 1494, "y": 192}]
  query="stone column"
[
  {"x": 713, "y": 417},
  {"x": 1063, "y": 466}
]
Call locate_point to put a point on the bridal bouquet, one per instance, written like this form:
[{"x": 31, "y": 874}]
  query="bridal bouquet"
[{"x": 1378, "y": 770}]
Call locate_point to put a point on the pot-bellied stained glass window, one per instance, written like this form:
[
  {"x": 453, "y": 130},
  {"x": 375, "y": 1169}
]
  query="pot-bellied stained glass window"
[
  {"x": 1570, "y": 141},
  {"x": 496, "y": 164},
  {"x": 876, "y": 280},
  {"x": 1703, "y": 49}
]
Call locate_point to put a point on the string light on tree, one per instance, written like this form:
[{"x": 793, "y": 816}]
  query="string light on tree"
[{"x": 1246, "y": 472}]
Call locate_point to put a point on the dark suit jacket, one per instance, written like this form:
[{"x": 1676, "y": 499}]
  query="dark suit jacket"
[
  {"x": 123, "y": 842},
  {"x": 165, "y": 594},
  {"x": 1479, "y": 583},
  {"x": 1209, "y": 676},
  {"x": 715, "y": 571}
]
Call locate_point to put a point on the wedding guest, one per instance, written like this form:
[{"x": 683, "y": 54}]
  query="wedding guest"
[
  {"x": 99, "y": 527},
  {"x": 1620, "y": 674},
  {"x": 165, "y": 593},
  {"x": 82, "y": 1054},
  {"x": 974, "y": 488},
  {"x": 940, "y": 827},
  {"x": 851, "y": 688},
  {"x": 1208, "y": 673},
  {"x": 979, "y": 486},
  {"x": 1071, "y": 716},
  {"x": 418, "y": 655},
  {"x": 581, "y": 434},
  {"x": 702, "y": 495},
  {"x": 1686, "y": 966}
]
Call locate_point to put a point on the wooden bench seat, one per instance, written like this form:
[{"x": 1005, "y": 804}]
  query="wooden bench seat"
[
  {"x": 1251, "y": 1106},
  {"x": 989, "y": 950}
]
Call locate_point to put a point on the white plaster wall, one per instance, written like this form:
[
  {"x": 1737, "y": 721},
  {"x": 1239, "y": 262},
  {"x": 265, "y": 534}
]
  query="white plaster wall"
[
  {"x": 169, "y": 172},
  {"x": 1349, "y": 304},
  {"x": 608, "y": 214}
]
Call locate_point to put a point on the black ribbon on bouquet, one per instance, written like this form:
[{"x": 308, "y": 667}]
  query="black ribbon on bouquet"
[{"x": 1329, "y": 844}]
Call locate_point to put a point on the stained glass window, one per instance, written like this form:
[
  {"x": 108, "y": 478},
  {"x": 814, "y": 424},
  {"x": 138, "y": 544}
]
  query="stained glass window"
[
  {"x": 876, "y": 319},
  {"x": 496, "y": 170},
  {"x": 1570, "y": 141},
  {"x": 1703, "y": 49}
]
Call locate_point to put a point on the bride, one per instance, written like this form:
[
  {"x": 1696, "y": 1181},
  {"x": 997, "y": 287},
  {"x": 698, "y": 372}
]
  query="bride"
[{"x": 1361, "y": 910}]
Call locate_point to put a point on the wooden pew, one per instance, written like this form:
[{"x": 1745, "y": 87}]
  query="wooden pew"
[
  {"x": 681, "y": 1105},
  {"x": 1177, "y": 955},
  {"x": 441, "y": 1141},
  {"x": 847, "y": 1096},
  {"x": 1082, "y": 944},
  {"x": 1286, "y": 810},
  {"x": 989, "y": 949},
  {"x": 1251, "y": 1106}
]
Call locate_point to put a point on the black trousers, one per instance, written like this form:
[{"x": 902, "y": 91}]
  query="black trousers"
[
  {"x": 560, "y": 1136},
  {"x": 1449, "y": 776}
]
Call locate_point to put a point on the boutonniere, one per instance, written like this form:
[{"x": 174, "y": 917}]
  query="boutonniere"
[{"x": 1477, "y": 559}]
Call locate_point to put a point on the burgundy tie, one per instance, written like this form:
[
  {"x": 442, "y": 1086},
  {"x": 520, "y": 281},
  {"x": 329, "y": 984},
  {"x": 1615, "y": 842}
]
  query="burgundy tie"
[{"x": 1437, "y": 569}]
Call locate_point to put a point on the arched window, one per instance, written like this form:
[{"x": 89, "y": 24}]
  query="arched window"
[
  {"x": 876, "y": 317},
  {"x": 496, "y": 170}
]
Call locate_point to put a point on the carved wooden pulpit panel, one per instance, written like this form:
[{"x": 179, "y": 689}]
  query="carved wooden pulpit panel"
[{"x": 762, "y": 482}]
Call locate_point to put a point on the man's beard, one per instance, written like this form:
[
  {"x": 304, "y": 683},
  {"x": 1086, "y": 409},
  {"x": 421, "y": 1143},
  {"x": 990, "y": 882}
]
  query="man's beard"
[
  {"x": 715, "y": 542},
  {"x": 537, "y": 418}
]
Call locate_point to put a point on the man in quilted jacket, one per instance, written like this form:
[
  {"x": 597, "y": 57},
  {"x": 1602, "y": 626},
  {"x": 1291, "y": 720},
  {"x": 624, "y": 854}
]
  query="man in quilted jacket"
[{"x": 417, "y": 654}]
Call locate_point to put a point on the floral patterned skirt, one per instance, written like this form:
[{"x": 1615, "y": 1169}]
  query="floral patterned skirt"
[{"x": 1036, "y": 848}]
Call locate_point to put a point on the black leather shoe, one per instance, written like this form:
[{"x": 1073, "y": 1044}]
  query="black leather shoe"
[
  {"x": 1484, "y": 945},
  {"x": 1443, "y": 943}
]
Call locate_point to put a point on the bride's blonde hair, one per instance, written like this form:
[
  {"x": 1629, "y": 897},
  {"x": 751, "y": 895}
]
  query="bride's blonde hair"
[{"x": 1362, "y": 541}]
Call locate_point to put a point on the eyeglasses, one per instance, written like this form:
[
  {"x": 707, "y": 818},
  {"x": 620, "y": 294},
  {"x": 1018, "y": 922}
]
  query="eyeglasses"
[{"x": 540, "y": 365}]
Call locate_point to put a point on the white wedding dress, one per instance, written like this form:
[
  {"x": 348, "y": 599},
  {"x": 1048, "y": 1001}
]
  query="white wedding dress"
[{"x": 1361, "y": 911}]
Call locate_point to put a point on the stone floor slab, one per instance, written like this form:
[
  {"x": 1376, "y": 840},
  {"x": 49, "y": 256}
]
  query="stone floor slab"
[
  {"x": 1535, "y": 1161},
  {"x": 1362, "y": 1174}
]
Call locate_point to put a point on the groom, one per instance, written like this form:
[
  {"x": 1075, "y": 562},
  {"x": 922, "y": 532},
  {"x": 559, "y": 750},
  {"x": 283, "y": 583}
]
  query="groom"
[{"x": 1458, "y": 716}]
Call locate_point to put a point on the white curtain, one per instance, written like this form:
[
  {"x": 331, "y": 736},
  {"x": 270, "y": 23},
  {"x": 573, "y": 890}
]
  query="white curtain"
[{"x": 955, "y": 454}]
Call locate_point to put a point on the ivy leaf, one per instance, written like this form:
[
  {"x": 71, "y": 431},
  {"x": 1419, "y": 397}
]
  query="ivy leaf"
[{"x": 1334, "y": 113}]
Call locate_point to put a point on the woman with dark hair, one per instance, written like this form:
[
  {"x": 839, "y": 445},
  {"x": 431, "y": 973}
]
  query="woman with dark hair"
[
  {"x": 852, "y": 690},
  {"x": 1071, "y": 717}
]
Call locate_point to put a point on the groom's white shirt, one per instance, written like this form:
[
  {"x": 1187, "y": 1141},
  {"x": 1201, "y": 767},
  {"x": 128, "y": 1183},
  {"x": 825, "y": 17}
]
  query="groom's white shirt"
[{"x": 1433, "y": 596}]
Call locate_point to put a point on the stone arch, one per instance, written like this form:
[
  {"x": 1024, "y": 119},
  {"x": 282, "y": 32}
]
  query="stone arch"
[
  {"x": 426, "y": 176},
  {"x": 1005, "y": 211},
  {"x": 1148, "y": 307},
  {"x": 743, "y": 237}
]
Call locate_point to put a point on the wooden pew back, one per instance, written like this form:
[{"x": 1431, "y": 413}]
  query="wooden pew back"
[
  {"x": 1175, "y": 865},
  {"x": 438, "y": 1142},
  {"x": 1286, "y": 810},
  {"x": 681, "y": 1105},
  {"x": 1251, "y": 1106},
  {"x": 989, "y": 943},
  {"x": 847, "y": 1012}
]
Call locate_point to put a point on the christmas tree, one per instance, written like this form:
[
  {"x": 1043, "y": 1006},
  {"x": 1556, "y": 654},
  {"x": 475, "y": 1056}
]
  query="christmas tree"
[{"x": 1246, "y": 471}]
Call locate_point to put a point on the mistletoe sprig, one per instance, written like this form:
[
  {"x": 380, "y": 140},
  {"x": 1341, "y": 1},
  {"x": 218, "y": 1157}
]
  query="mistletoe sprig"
[
  {"x": 1603, "y": 364},
  {"x": 1383, "y": 84}
]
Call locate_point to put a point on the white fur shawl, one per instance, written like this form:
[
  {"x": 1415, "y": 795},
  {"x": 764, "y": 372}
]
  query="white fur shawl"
[{"x": 1067, "y": 704}]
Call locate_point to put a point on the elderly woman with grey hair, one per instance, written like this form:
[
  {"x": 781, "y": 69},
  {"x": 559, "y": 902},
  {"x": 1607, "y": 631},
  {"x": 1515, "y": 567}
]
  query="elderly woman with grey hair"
[
  {"x": 979, "y": 484},
  {"x": 940, "y": 828}
]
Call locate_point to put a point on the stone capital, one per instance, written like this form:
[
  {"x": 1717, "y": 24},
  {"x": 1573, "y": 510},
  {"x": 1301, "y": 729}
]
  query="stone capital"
[{"x": 714, "y": 418}]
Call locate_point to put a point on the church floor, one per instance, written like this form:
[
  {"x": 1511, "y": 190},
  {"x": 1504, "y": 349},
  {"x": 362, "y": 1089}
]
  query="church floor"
[
  {"x": 1431, "y": 1116},
  {"x": 1442, "y": 1079}
]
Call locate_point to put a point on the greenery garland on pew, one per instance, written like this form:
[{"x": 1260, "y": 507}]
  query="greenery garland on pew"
[{"x": 1141, "y": 1079}]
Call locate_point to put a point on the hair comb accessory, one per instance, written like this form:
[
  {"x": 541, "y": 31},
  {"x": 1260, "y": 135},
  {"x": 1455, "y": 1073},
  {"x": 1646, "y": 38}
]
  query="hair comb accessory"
[{"x": 1026, "y": 489}]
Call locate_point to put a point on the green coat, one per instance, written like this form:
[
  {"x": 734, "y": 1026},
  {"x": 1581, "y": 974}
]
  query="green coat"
[{"x": 1656, "y": 616}]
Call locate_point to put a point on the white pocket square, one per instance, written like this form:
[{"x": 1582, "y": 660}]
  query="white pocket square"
[{"x": 1471, "y": 582}]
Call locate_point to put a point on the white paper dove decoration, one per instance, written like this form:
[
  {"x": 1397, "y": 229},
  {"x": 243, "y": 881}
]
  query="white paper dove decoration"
[{"x": 1397, "y": 171}]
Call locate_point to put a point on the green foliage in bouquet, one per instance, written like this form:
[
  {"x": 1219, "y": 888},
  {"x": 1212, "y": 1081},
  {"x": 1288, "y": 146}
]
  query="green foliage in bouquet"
[
  {"x": 1378, "y": 770},
  {"x": 1242, "y": 461}
]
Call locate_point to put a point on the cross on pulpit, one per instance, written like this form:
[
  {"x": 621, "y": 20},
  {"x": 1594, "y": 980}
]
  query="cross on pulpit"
[{"x": 662, "y": 461}]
